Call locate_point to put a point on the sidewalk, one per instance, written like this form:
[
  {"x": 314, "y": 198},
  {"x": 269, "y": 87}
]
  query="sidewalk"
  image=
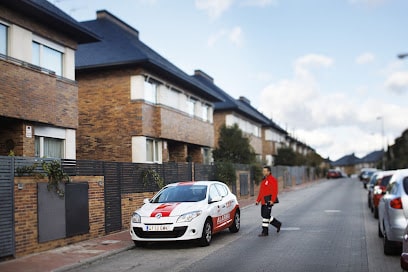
[{"x": 75, "y": 255}]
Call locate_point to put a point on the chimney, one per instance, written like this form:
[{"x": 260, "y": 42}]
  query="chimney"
[
  {"x": 245, "y": 100},
  {"x": 104, "y": 14},
  {"x": 203, "y": 75}
]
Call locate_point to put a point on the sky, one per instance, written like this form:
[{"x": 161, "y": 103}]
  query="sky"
[{"x": 325, "y": 70}]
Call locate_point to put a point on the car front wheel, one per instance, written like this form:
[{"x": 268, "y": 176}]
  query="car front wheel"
[{"x": 206, "y": 237}]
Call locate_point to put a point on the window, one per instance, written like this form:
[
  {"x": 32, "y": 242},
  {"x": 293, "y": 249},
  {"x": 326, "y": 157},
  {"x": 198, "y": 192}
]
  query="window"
[
  {"x": 191, "y": 106},
  {"x": 152, "y": 150},
  {"x": 206, "y": 156},
  {"x": 47, "y": 57},
  {"x": 3, "y": 39},
  {"x": 222, "y": 190},
  {"x": 49, "y": 147},
  {"x": 173, "y": 99},
  {"x": 150, "y": 89},
  {"x": 214, "y": 194},
  {"x": 205, "y": 112}
]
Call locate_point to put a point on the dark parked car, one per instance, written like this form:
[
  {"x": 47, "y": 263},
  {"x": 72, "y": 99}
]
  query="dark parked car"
[
  {"x": 365, "y": 175},
  {"x": 334, "y": 174}
]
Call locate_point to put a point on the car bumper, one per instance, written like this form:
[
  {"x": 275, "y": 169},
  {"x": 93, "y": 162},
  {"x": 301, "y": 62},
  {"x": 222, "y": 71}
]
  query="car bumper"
[
  {"x": 179, "y": 231},
  {"x": 397, "y": 230}
]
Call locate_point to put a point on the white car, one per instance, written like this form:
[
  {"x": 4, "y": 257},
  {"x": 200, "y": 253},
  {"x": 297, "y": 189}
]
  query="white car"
[
  {"x": 393, "y": 212},
  {"x": 186, "y": 211}
]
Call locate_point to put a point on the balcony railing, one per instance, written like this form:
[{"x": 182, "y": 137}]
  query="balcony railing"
[{"x": 35, "y": 67}]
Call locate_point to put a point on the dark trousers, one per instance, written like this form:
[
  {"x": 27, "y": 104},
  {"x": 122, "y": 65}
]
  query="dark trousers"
[{"x": 266, "y": 216}]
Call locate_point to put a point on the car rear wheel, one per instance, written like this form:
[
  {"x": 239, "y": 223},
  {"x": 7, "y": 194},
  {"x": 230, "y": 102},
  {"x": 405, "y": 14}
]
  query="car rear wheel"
[
  {"x": 206, "y": 237},
  {"x": 375, "y": 212},
  {"x": 388, "y": 246},
  {"x": 237, "y": 222}
]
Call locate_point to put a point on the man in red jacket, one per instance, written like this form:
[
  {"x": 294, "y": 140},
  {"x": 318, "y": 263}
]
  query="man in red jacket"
[{"x": 268, "y": 193}]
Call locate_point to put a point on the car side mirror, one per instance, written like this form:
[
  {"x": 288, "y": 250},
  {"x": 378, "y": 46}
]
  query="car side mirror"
[
  {"x": 215, "y": 199},
  {"x": 146, "y": 200}
]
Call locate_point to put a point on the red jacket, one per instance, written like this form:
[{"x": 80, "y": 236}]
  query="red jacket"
[{"x": 269, "y": 187}]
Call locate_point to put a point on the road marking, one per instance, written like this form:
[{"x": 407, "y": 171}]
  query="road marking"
[
  {"x": 332, "y": 211},
  {"x": 290, "y": 228}
]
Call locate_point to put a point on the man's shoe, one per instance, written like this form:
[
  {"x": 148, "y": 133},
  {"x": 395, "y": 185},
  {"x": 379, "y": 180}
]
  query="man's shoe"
[
  {"x": 262, "y": 234},
  {"x": 277, "y": 224}
]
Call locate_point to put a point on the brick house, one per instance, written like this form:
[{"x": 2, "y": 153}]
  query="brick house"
[
  {"x": 265, "y": 136},
  {"x": 136, "y": 106},
  {"x": 38, "y": 91}
]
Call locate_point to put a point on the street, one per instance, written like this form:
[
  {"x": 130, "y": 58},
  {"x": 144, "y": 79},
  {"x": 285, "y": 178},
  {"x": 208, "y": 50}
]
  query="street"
[{"x": 326, "y": 227}]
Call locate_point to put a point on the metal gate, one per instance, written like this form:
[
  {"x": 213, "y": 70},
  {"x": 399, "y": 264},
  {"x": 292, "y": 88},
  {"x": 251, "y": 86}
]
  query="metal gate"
[
  {"x": 7, "y": 246},
  {"x": 243, "y": 182},
  {"x": 113, "y": 205},
  {"x": 77, "y": 208}
]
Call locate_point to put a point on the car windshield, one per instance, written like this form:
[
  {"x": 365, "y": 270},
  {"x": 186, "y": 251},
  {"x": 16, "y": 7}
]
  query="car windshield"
[{"x": 181, "y": 193}]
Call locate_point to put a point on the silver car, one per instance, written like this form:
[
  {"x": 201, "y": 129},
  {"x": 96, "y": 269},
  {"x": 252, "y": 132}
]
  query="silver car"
[{"x": 393, "y": 211}]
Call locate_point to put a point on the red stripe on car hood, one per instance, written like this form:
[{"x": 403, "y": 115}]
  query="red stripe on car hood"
[{"x": 165, "y": 209}]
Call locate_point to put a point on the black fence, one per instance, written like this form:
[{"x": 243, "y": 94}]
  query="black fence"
[{"x": 122, "y": 178}]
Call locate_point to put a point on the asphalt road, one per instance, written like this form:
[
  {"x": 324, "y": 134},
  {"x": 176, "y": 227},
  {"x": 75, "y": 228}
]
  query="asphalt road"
[{"x": 326, "y": 227}]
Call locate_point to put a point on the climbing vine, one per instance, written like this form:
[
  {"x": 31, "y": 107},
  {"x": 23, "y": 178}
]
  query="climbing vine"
[
  {"x": 151, "y": 174},
  {"x": 56, "y": 175}
]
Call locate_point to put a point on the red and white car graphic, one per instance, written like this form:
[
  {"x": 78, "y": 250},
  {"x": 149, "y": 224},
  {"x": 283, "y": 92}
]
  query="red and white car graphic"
[{"x": 186, "y": 211}]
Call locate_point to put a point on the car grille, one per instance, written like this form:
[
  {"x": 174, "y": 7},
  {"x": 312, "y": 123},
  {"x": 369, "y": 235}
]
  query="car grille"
[{"x": 177, "y": 232}]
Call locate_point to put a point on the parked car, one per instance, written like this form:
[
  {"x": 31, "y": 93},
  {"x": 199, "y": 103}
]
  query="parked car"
[
  {"x": 380, "y": 187},
  {"x": 186, "y": 211},
  {"x": 333, "y": 174},
  {"x": 393, "y": 212},
  {"x": 370, "y": 189},
  {"x": 365, "y": 175},
  {"x": 404, "y": 254}
]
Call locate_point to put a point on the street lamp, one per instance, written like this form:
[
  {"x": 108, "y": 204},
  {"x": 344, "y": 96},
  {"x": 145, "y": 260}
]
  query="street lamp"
[{"x": 382, "y": 139}]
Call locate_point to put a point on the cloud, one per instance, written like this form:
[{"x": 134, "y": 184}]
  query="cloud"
[
  {"x": 260, "y": 3},
  {"x": 365, "y": 58},
  {"x": 397, "y": 82},
  {"x": 334, "y": 123},
  {"x": 304, "y": 64},
  {"x": 234, "y": 35},
  {"x": 214, "y": 8}
]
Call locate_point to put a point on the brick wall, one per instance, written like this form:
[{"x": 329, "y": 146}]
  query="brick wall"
[
  {"x": 31, "y": 95},
  {"x": 15, "y": 130},
  {"x": 108, "y": 119},
  {"x": 130, "y": 203},
  {"x": 26, "y": 215},
  {"x": 181, "y": 127}
]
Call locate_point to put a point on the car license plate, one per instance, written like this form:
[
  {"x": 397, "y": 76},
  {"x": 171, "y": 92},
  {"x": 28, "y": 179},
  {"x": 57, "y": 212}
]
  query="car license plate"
[{"x": 158, "y": 228}]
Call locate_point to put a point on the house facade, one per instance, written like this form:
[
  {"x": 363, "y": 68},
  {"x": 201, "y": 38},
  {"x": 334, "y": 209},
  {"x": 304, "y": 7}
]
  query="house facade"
[
  {"x": 38, "y": 91},
  {"x": 136, "y": 106},
  {"x": 264, "y": 135}
]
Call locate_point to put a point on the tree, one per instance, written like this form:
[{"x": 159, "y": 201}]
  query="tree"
[
  {"x": 397, "y": 154},
  {"x": 233, "y": 146},
  {"x": 286, "y": 156}
]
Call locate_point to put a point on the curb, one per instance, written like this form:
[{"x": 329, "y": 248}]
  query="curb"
[{"x": 92, "y": 259}]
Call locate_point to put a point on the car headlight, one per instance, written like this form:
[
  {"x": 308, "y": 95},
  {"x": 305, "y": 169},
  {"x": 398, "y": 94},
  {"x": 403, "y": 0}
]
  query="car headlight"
[
  {"x": 136, "y": 218},
  {"x": 187, "y": 217}
]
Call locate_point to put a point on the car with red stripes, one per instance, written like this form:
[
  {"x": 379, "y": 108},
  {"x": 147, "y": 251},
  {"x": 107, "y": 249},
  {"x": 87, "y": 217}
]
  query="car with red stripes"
[{"x": 186, "y": 211}]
